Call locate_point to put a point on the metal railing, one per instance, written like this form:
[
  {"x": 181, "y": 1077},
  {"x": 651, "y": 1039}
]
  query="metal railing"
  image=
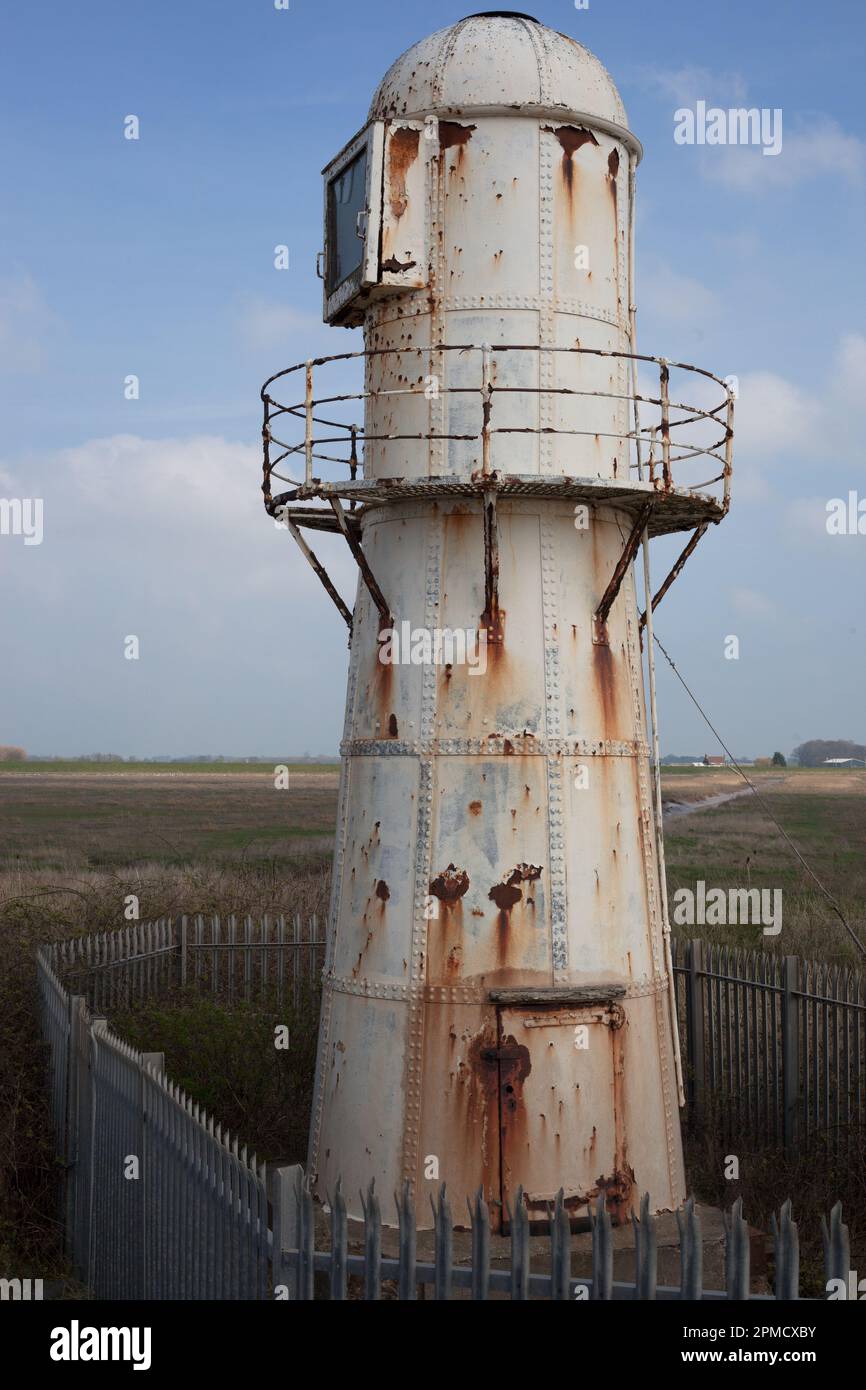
[
  {"x": 297, "y": 1259},
  {"x": 273, "y": 958},
  {"x": 667, "y": 445},
  {"x": 158, "y": 1201},
  {"x": 776, "y": 1045}
]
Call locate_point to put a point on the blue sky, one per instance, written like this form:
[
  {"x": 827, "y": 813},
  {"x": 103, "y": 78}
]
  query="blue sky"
[{"x": 155, "y": 257}]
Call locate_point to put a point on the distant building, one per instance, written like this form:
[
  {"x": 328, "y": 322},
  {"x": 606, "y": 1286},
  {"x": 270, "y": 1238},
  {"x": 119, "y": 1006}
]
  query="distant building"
[
  {"x": 844, "y": 762},
  {"x": 713, "y": 760}
]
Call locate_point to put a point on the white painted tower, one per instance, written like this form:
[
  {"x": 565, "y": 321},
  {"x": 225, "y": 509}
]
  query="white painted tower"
[{"x": 497, "y": 994}]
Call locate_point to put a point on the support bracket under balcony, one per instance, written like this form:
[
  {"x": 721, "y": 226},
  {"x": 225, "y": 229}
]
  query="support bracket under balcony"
[{"x": 629, "y": 551}]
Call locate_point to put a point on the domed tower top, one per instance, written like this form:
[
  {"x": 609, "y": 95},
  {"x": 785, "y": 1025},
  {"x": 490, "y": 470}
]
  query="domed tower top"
[{"x": 501, "y": 60}]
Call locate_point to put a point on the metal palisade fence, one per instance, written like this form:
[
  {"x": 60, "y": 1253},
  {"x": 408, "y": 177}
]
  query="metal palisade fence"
[
  {"x": 775, "y": 1045},
  {"x": 158, "y": 1202},
  {"x": 275, "y": 957},
  {"x": 297, "y": 1261}
]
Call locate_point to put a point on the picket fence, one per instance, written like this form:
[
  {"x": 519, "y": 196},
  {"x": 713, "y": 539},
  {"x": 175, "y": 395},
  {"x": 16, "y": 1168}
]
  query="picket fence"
[
  {"x": 775, "y": 1047},
  {"x": 159, "y": 1202}
]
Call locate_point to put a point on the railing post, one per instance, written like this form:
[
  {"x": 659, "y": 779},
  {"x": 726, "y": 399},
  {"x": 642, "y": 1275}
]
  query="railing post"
[
  {"x": 486, "y": 405},
  {"x": 664, "y": 382},
  {"x": 790, "y": 1049},
  {"x": 729, "y": 448},
  {"x": 76, "y": 1024},
  {"x": 695, "y": 1024},
  {"x": 91, "y": 1230},
  {"x": 286, "y": 1227},
  {"x": 147, "y": 1156},
  {"x": 651, "y": 461},
  {"x": 183, "y": 956},
  {"x": 308, "y": 422}
]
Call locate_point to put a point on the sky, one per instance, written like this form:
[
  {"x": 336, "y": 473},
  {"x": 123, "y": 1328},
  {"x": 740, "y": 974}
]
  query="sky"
[{"x": 155, "y": 258}]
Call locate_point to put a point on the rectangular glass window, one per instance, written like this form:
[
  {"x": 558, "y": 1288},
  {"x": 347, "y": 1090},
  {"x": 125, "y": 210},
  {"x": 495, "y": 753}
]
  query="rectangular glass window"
[{"x": 347, "y": 196}]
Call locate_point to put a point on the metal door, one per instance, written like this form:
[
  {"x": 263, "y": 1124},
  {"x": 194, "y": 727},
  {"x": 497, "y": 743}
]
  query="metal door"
[{"x": 560, "y": 1095}]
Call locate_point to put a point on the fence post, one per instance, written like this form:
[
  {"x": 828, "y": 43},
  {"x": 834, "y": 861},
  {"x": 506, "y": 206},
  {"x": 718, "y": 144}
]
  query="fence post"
[
  {"x": 286, "y": 1226},
  {"x": 76, "y": 1022},
  {"x": 91, "y": 1251},
  {"x": 695, "y": 1024},
  {"x": 156, "y": 1061},
  {"x": 790, "y": 1049},
  {"x": 182, "y": 929}
]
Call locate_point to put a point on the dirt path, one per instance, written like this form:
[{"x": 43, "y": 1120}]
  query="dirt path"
[{"x": 672, "y": 810}]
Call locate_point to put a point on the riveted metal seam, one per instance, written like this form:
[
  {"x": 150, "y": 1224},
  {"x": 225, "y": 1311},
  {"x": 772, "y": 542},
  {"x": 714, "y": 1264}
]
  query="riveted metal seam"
[
  {"x": 477, "y": 993},
  {"x": 490, "y": 746},
  {"x": 538, "y": 38},
  {"x": 415, "y": 304},
  {"x": 432, "y": 303},
  {"x": 546, "y": 312},
  {"x": 554, "y": 767},
  {"x": 336, "y": 897},
  {"x": 413, "y": 1074},
  {"x": 445, "y": 55},
  {"x": 651, "y": 876}
]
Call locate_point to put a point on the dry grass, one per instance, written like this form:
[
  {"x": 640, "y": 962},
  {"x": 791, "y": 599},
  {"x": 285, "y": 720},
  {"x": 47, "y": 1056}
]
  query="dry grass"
[
  {"x": 76, "y": 845},
  {"x": 74, "y": 848},
  {"x": 814, "y": 1180},
  {"x": 64, "y": 822},
  {"x": 737, "y": 846}
]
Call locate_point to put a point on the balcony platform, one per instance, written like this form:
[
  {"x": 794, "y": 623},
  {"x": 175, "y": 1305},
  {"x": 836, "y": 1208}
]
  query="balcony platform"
[{"x": 674, "y": 509}]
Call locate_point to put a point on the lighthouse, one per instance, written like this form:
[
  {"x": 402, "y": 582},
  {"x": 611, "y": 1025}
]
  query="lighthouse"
[{"x": 497, "y": 1008}]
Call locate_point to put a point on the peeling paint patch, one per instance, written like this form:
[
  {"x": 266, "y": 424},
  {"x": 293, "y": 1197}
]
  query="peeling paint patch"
[
  {"x": 402, "y": 153},
  {"x": 450, "y": 885},
  {"x": 396, "y": 266},
  {"x": 505, "y": 895},
  {"x": 509, "y": 891},
  {"x": 571, "y": 137},
  {"x": 453, "y": 133}
]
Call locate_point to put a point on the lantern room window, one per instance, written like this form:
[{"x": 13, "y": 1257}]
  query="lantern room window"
[
  {"x": 347, "y": 215},
  {"x": 353, "y": 206},
  {"x": 375, "y": 209}
]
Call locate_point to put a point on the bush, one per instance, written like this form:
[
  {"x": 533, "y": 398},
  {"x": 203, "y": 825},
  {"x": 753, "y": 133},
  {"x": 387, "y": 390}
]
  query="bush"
[{"x": 225, "y": 1058}]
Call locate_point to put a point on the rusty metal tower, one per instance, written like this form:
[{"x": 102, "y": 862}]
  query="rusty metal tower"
[{"x": 498, "y": 1006}]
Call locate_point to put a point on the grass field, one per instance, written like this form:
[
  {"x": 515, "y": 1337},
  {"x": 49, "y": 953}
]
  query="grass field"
[
  {"x": 77, "y": 839},
  {"x": 106, "y": 820},
  {"x": 737, "y": 845},
  {"x": 122, "y": 768}
]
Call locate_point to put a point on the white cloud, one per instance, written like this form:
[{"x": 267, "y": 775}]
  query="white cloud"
[
  {"x": 27, "y": 325},
  {"x": 806, "y": 520},
  {"x": 179, "y": 519},
  {"x": 773, "y": 415},
  {"x": 167, "y": 539},
  {"x": 267, "y": 324},
  {"x": 814, "y": 146},
  {"x": 672, "y": 297},
  {"x": 753, "y": 604},
  {"x": 851, "y": 363},
  {"x": 808, "y": 152},
  {"x": 739, "y": 245},
  {"x": 690, "y": 83}
]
